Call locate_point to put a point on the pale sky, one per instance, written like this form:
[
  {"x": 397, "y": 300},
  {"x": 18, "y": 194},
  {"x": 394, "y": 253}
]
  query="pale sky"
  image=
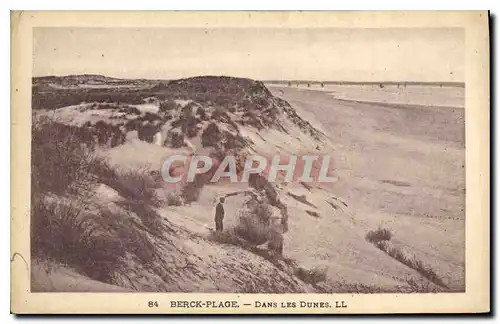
[{"x": 330, "y": 54}]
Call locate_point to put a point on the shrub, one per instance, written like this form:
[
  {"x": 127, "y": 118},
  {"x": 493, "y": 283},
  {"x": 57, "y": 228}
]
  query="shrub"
[
  {"x": 190, "y": 126},
  {"x": 221, "y": 115},
  {"x": 133, "y": 124},
  {"x": 133, "y": 184},
  {"x": 174, "y": 139},
  {"x": 152, "y": 221},
  {"x": 211, "y": 136},
  {"x": 229, "y": 236},
  {"x": 53, "y": 226},
  {"x": 93, "y": 245},
  {"x": 192, "y": 190},
  {"x": 187, "y": 122},
  {"x": 260, "y": 103},
  {"x": 59, "y": 161},
  {"x": 147, "y": 132},
  {"x": 223, "y": 101},
  {"x": 427, "y": 272},
  {"x": 201, "y": 113},
  {"x": 233, "y": 141},
  {"x": 104, "y": 132},
  {"x": 117, "y": 138},
  {"x": 130, "y": 109},
  {"x": 344, "y": 287},
  {"x": 168, "y": 105},
  {"x": 63, "y": 228},
  {"x": 420, "y": 285},
  {"x": 312, "y": 276},
  {"x": 251, "y": 119},
  {"x": 150, "y": 117},
  {"x": 138, "y": 187},
  {"x": 424, "y": 270},
  {"x": 174, "y": 199},
  {"x": 275, "y": 243},
  {"x": 246, "y": 103},
  {"x": 188, "y": 110},
  {"x": 57, "y": 98},
  {"x": 381, "y": 234},
  {"x": 313, "y": 213},
  {"x": 254, "y": 222},
  {"x": 380, "y": 238}
]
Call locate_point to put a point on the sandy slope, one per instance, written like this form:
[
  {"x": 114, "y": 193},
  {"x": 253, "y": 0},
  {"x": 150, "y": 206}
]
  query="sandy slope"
[{"x": 399, "y": 166}]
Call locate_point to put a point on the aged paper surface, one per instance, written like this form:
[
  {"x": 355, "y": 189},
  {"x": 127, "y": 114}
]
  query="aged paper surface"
[{"x": 250, "y": 162}]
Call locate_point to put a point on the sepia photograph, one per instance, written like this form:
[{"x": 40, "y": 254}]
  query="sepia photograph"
[{"x": 308, "y": 160}]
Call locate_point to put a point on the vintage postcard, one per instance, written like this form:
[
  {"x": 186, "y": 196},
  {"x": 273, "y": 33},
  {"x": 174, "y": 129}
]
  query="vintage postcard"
[{"x": 250, "y": 162}]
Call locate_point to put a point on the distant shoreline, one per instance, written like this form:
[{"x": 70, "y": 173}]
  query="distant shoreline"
[
  {"x": 399, "y": 105},
  {"x": 293, "y": 82},
  {"x": 305, "y": 82},
  {"x": 387, "y": 101}
]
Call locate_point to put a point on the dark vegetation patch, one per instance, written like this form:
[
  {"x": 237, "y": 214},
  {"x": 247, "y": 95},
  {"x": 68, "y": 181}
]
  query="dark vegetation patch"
[
  {"x": 192, "y": 190},
  {"x": 301, "y": 198},
  {"x": 231, "y": 237},
  {"x": 211, "y": 135},
  {"x": 381, "y": 234},
  {"x": 339, "y": 200},
  {"x": 305, "y": 185},
  {"x": 221, "y": 91},
  {"x": 254, "y": 225},
  {"x": 66, "y": 226},
  {"x": 174, "y": 139},
  {"x": 222, "y": 140},
  {"x": 59, "y": 161},
  {"x": 396, "y": 183},
  {"x": 174, "y": 199},
  {"x": 381, "y": 237},
  {"x": 260, "y": 183},
  {"x": 257, "y": 106},
  {"x": 254, "y": 222},
  {"x": 133, "y": 184},
  {"x": 187, "y": 122},
  {"x": 424, "y": 270},
  {"x": 146, "y": 132},
  {"x": 313, "y": 213},
  {"x": 102, "y": 133},
  {"x": 412, "y": 285},
  {"x": 58, "y": 98},
  {"x": 129, "y": 110},
  {"x": 332, "y": 204},
  {"x": 312, "y": 276},
  {"x": 168, "y": 106},
  {"x": 95, "y": 245}
]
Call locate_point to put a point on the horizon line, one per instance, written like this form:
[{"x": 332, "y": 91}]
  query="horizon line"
[{"x": 262, "y": 80}]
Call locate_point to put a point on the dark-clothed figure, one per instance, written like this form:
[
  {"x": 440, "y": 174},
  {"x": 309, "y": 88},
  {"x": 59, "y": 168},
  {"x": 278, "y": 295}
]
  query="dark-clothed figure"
[{"x": 219, "y": 215}]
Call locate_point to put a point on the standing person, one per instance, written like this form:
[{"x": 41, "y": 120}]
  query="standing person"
[{"x": 219, "y": 215}]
